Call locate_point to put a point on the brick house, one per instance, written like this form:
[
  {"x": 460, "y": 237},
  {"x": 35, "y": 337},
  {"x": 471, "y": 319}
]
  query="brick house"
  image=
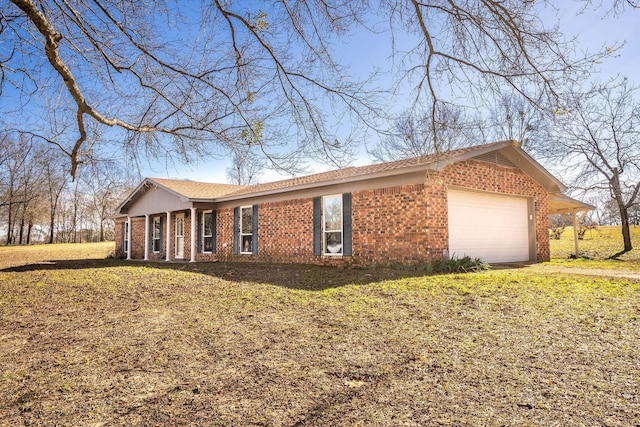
[{"x": 490, "y": 201}]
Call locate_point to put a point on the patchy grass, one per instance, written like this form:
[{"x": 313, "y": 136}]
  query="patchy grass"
[
  {"x": 599, "y": 244},
  {"x": 106, "y": 342}
]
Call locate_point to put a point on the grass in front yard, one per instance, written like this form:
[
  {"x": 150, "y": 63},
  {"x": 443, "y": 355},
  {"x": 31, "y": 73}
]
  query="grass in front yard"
[
  {"x": 116, "y": 343},
  {"x": 600, "y": 244}
]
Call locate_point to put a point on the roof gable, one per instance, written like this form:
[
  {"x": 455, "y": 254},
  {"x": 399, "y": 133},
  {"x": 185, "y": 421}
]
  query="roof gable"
[{"x": 175, "y": 194}]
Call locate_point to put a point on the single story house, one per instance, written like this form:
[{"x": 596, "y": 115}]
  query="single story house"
[{"x": 490, "y": 201}]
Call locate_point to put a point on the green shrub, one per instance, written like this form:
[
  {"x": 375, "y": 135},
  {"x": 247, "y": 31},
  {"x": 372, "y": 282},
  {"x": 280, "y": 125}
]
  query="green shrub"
[
  {"x": 556, "y": 232},
  {"x": 456, "y": 265}
]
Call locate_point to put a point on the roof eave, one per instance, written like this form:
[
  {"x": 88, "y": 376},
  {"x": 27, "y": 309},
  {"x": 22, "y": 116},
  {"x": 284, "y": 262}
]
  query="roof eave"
[{"x": 364, "y": 177}]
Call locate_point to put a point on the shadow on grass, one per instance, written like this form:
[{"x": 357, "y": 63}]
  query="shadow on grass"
[
  {"x": 293, "y": 276},
  {"x": 616, "y": 256}
]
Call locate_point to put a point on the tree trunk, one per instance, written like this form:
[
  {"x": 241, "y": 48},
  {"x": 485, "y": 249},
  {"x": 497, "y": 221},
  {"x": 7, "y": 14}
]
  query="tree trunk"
[
  {"x": 626, "y": 233},
  {"x": 10, "y": 222},
  {"x": 29, "y": 228},
  {"x": 624, "y": 213},
  {"x": 21, "y": 233},
  {"x": 51, "y": 225}
]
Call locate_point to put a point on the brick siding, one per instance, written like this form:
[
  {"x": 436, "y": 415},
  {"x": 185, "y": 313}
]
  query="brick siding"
[{"x": 401, "y": 224}]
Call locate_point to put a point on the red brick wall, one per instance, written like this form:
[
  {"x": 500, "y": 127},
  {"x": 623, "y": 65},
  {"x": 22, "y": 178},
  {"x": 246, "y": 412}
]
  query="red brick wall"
[
  {"x": 390, "y": 225},
  {"x": 405, "y": 224}
]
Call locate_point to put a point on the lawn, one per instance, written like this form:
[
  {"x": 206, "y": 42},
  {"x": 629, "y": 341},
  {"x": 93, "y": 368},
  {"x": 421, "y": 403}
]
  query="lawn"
[
  {"x": 108, "y": 342},
  {"x": 599, "y": 243}
]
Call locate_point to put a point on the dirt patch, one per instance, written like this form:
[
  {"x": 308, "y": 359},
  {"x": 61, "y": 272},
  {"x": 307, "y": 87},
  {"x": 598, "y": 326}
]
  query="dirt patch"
[{"x": 106, "y": 342}]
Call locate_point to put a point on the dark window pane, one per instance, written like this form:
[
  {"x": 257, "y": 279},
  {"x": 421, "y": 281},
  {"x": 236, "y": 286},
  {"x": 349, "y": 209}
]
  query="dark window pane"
[
  {"x": 333, "y": 243},
  {"x": 246, "y": 243},
  {"x": 247, "y": 221},
  {"x": 208, "y": 224},
  {"x": 208, "y": 244}
]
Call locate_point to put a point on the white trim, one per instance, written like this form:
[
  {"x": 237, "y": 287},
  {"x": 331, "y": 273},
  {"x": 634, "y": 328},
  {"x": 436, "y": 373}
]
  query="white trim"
[
  {"x": 202, "y": 235},
  {"x": 193, "y": 234},
  {"x": 340, "y": 230},
  {"x": 241, "y": 234},
  {"x": 168, "y": 238},
  {"x": 154, "y": 237},
  {"x": 178, "y": 250},
  {"x": 128, "y": 237},
  {"x": 146, "y": 237}
]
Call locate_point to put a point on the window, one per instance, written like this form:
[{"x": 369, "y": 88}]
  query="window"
[
  {"x": 246, "y": 229},
  {"x": 332, "y": 225},
  {"x": 125, "y": 237},
  {"x": 156, "y": 234},
  {"x": 332, "y": 230},
  {"x": 207, "y": 231}
]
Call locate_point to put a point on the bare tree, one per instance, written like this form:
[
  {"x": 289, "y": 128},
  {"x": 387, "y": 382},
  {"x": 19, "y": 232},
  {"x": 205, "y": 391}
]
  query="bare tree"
[
  {"x": 193, "y": 76},
  {"x": 54, "y": 183},
  {"x": 599, "y": 138},
  {"x": 246, "y": 167},
  {"x": 105, "y": 183},
  {"x": 14, "y": 167},
  {"x": 515, "y": 119},
  {"x": 413, "y": 134}
]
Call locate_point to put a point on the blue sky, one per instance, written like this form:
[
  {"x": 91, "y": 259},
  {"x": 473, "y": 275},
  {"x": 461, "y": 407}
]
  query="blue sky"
[{"x": 594, "y": 29}]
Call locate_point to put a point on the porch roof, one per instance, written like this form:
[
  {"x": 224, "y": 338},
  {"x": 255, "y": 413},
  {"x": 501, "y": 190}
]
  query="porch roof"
[{"x": 562, "y": 204}]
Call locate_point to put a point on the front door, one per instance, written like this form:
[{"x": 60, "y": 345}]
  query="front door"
[{"x": 179, "y": 236}]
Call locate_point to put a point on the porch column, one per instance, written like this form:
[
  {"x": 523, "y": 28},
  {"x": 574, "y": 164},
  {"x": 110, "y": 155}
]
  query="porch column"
[
  {"x": 128, "y": 237},
  {"x": 193, "y": 234},
  {"x": 168, "y": 258},
  {"x": 146, "y": 237}
]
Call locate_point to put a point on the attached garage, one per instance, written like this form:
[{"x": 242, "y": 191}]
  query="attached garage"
[{"x": 490, "y": 226}]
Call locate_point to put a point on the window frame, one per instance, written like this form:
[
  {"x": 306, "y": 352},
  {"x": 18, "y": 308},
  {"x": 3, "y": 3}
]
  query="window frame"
[
  {"x": 241, "y": 234},
  {"x": 205, "y": 236},
  {"x": 156, "y": 235},
  {"x": 325, "y": 231},
  {"x": 125, "y": 237}
]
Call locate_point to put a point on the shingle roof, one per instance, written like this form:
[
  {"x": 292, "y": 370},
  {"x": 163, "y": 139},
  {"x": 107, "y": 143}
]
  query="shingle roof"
[
  {"x": 204, "y": 191},
  {"x": 196, "y": 190}
]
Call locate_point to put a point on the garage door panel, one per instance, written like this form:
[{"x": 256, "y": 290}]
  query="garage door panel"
[{"x": 488, "y": 226}]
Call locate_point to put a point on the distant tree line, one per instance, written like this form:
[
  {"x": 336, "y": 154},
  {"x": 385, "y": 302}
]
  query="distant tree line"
[{"x": 40, "y": 203}]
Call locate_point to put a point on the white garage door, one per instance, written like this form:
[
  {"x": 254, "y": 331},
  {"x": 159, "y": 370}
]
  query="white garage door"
[{"x": 492, "y": 227}]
